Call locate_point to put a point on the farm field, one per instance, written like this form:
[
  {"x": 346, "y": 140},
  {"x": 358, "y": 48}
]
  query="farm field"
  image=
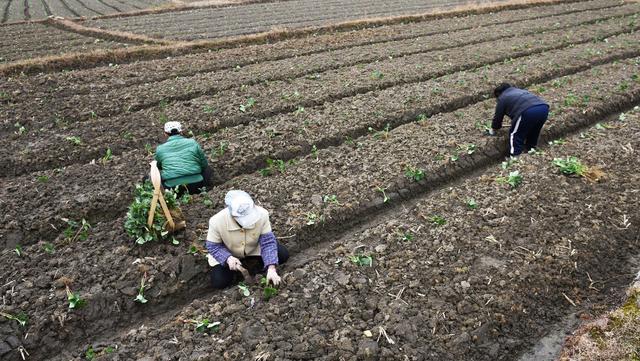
[{"x": 328, "y": 132}]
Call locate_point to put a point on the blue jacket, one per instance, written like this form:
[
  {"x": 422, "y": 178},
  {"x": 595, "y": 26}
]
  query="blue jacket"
[{"x": 513, "y": 102}]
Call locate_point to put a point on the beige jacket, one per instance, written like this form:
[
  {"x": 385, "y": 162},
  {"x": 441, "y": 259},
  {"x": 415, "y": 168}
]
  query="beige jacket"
[{"x": 240, "y": 242}]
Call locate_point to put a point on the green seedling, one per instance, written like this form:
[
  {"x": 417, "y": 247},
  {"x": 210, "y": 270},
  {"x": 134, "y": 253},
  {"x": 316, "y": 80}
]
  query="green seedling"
[
  {"x": 437, "y": 220},
  {"x": 382, "y": 134},
  {"x": 75, "y": 301},
  {"x": 48, "y": 247},
  {"x": 42, "y": 178},
  {"x": 570, "y": 166},
  {"x": 471, "y": 204},
  {"x": 20, "y": 129},
  {"x": 107, "y": 156},
  {"x": 299, "y": 110},
  {"x": 267, "y": 290},
  {"x": 570, "y": 100},
  {"x": 332, "y": 198},
  {"x": 244, "y": 289},
  {"x": 93, "y": 115},
  {"x": 274, "y": 165},
  {"x": 601, "y": 126},
  {"x": 314, "y": 151},
  {"x": 248, "y": 105},
  {"x": 193, "y": 250},
  {"x": 514, "y": 179},
  {"x": 127, "y": 136},
  {"x": 559, "y": 141},
  {"x": 383, "y": 190},
  {"x": 90, "y": 354},
  {"x": 219, "y": 151},
  {"x": 483, "y": 126},
  {"x": 509, "y": 163},
  {"x": 149, "y": 149},
  {"x": 535, "y": 151},
  {"x": 421, "y": 118},
  {"x": 206, "y": 326},
  {"x": 75, "y": 140},
  {"x": 76, "y": 230},
  {"x": 467, "y": 148},
  {"x": 414, "y": 173},
  {"x": 136, "y": 219},
  {"x": 314, "y": 218},
  {"x": 185, "y": 198},
  {"x": 18, "y": 250},
  {"x": 362, "y": 260},
  {"x": 377, "y": 75},
  {"x": 406, "y": 236},
  {"x": 140, "y": 297},
  {"x": 20, "y": 318},
  {"x": 454, "y": 157},
  {"x": 623, "y": 86},
  {"x": 207, "y": 109}
]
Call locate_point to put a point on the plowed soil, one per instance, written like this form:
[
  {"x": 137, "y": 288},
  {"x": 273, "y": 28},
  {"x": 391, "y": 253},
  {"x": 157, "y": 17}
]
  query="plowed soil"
[{"x": 464, "y": 266}]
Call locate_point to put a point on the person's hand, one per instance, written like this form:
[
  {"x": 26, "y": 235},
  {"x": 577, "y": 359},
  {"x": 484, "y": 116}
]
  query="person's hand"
[
  {"x": 490, "y": 132},
  {"x": 272, "y": 276},
  {"x": 234, "y": 263}
]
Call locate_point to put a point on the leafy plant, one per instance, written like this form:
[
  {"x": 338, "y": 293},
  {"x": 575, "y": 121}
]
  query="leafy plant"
[
  {"x": 76, "y": 230},
  {"x": 377, "y": 75},
  {"x": 383, "y": 190},
  {"x": 193, "y": 250},
  {"x": 314, "y": 151},
  {"x": 136, "y": 220},
  {"x": 362, "y": 260},
  {"x": 244, "y": 289},
  {"x": 205, "y": 325},
  {"x": 274, "y": 165},
  {"x": 75, "y": 140},
  {"x": 18, "y": 250},
  {"x": 331, "y": 198},
  {"x": 90, "y": 354},
  {"x": 421, "y": 117},
  {"x": 406, "y": 236},
  {"x": 509, "y": 162},
  {"x": 20, "y": 129},
  {"x": 42, "y": 178},
  {"x": 467, "y": 148},
  {"x": 382, "y": 134},
  {"x": 559, "y": 141},
  {"x": 48, "y": 247},
  {"x": 299, "y": 110},
  {"x": 149, "y": 149},
  {"x": 208, "y": 109},
  {"x": 248, "y": 105},
  {"x": 140, "y": 297},
  {"x": 75, "y": 301},
  {"x": 471, "y": 203},
  {"x": 107, "y": 156},
  {"x": 413, "y": 173},
  {"x": 314, "y": 218},
  {"x": 219, "y": 150},
  {"x": 267, "y": 290},
  {"x": 484, "y": 126},
  {"x": 514, "y": 179},
  {"x": 437, "y": 220},
  {"x": 570, "y": 166},
  {"x": 21, "y": 318}
]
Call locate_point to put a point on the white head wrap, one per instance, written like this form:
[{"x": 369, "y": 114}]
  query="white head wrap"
[
  {"x": 242, "y": 208},
  {"x": 169, "y": 126}
]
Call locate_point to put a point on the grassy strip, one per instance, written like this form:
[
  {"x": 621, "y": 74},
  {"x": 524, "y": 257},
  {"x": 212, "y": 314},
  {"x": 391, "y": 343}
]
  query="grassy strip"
[{"x": 113, "y": 35}]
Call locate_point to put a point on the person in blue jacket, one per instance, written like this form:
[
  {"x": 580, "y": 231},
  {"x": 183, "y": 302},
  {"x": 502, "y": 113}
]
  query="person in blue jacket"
[{"x": 528, "y": 114}]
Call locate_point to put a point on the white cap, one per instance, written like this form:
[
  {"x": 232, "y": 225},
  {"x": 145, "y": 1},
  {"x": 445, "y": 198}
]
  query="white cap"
[
  {"x": 170, "y": 126},
  {"x": 242, "y": 208}
]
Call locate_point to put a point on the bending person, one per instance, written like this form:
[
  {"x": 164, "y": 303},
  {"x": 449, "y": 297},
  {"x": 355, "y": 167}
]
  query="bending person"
[
  {"x": 181, "y": 161},
  {"x": 240, "y": 232},
  {"x": 528, "y": 114}
]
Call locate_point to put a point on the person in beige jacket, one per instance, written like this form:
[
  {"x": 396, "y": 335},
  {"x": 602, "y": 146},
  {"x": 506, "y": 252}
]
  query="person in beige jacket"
[{"x": 240, "y": 231}]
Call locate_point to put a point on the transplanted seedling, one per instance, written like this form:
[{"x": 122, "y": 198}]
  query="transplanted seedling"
[
  {"x": 509, "y": 162},
  {"x": 406, "y": 236},
  {"x": 193, "y": 250},
  {"x": 331, "y": 198},
  {"x": 314, "y": 218},
  {"x": 75, "y": 140},
  {"x": 377, "y": 75},
  {"x": 362, "y": 260},
  {"x": 570, "y": 166},
  {"x": 140, "y": 297},
  {"x": 248, "y": 105},
  {"x": 382, "y": 134},
  {"x": 75, "y": 301},
  {"x": 437, "y": 220},
  {"x": 467, "y": 148},
  {"x": 514, "y": 179},
  {"x": 206, "y": 326},
  {"x": 20, "y": 318},
  {"x": 48, "y": 247},
  {"x": 76, "y": 230},
  {"x": 18, "y": 250},
  {"x": 107, "y": 156},
  {"x": 267, "y": 290},
  {"x": 383, "y": 190},
  {"x": 414, "y": 173},
  {"x": 559, "y": 141},
  {"x": 471, "y": 203},
  {"x": 244, "y": 289},
  {"x": 219, "y": 151},
  {"x": 274, "y": 165}
]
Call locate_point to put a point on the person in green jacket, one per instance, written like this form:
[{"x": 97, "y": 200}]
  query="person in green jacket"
[{"x": 182, "y": 162}]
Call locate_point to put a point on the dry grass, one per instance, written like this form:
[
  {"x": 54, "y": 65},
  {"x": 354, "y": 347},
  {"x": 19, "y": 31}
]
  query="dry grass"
[
  {"x": 615, "y": 336},
  {"x": 114, "y": 35},
  {"x": 155, "y": 51}
]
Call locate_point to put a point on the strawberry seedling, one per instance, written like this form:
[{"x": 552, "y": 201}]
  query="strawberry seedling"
[
  {"x": 207, "y": 109},
  {"x": 331, "y": 199},
  {"x": 406, "y": 236},
  {"x": 219, "y": 151},
  {"x": 90, "y": 354},
  {"x": 42, "y": 178},
  {"x": 48, "y": 247},
  {"x": 382, "y": 134},
  {"x": 559, "y": 141},
  {"x": 75, "y": 301},
  {"x": 514, "y": 179},
  {"x": 314, "y": 218},
  {"x": 437, "y": 220},
  {"x": 75, "y": 140},
  {"x": 383, "y": 190},
  {"x": 206, "y": 325},
  {"x": 76, "y": 230},
  {"x": 248, "y": 105},
  {"x": 20, "y": 318},
  {"x": 314, "y": 151},
  {"x": 467, "y": 148},
  {"x": 509, "y": 163},
  {"x": 414, "y": 173},
  {"x": 377, "y": 75},
  {"x": 267, "y": 290},
  {"x": 18, "y": 250},
  {"x": 570, "y": 166},
  {"x": 244, "y": 289},
  {"x": 193, "y": 250},
  {"x": 20, "y": 129},
  {"x": 362, "y": 260},
  {"x": 471, "y": 204},
  {"x": 107, "y": 156},
  {"x": 140, "y": 297},
  {"x": 274, "y": 165}
]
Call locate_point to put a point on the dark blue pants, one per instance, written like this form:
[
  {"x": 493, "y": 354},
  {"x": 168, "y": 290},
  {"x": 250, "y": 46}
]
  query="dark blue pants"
[
  {"x": 223, "y": 277},
  {"x": 525, "y": 130}
]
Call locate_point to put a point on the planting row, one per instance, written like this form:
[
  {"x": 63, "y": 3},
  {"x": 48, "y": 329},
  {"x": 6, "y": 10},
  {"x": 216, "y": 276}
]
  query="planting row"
[
  {"x": 304, "y": 126},
  {"x": 32, "y": 40},
  {"x": 244, "y": 149},
  {"x": 476, "y": 271},
  {"x": 320, "y": 190},
  {"x": 15, "y": 10},
  {"x": 86, "y": 81},
  {"x": 260, "y": 17}
]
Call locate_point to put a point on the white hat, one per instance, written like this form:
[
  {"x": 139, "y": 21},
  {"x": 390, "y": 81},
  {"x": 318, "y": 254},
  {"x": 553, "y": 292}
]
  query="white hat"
[
  {"x": 242, "y": 208},
  {"x": 170, "y": 126}
]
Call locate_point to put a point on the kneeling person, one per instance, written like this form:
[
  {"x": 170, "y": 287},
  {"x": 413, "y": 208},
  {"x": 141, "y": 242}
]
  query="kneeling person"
[
  {"x": 181, "y": 161},
  {"x": 239, "y": 232}
]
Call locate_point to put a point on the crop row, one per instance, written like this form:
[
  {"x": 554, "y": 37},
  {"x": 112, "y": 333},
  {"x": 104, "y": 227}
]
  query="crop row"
[
  {"x": 247, "y": 147},
  {"x": 451, "y": 291},
  {"x": 353, "y": 85},
  {"x": 443, "y": 147},
  {"x": 158, "y": 70},
  {"x": 258, "y": 17}
]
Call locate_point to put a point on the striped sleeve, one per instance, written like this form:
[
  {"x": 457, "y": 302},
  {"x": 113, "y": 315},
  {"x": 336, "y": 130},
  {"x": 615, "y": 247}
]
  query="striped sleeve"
[
  {"x": 268, "y": 249},
  {"x": 218, "y": 251}
]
